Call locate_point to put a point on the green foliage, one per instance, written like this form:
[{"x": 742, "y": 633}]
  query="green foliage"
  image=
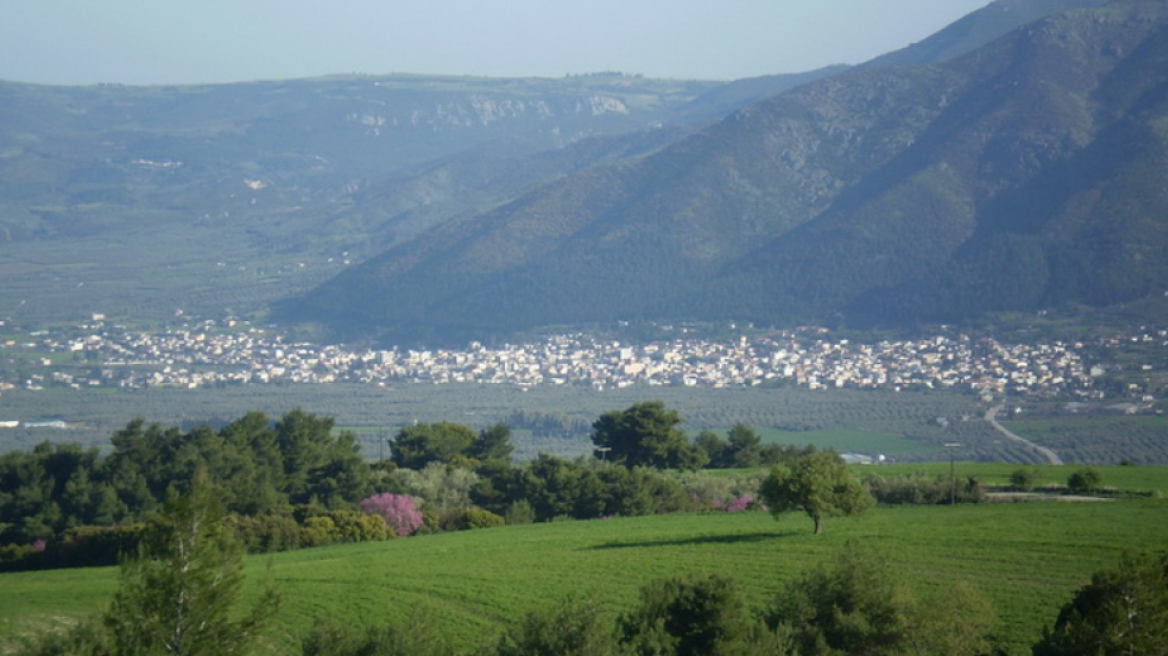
[
  {"x": 180, "y": 594},
  {"x": 646, "y": 434},
  {"x": 440, "y": 486},
  {"x": 746, "y": 446},
  {"x": 416, "y": 446},
  {"x": 716, "y": 448},
  {"x": 1087, "y": 479},
  {"x": 956, "y": 620},
  {"x": 520, "y": 512},
  {"x": 709, "y": 491},
  {"x": 697, "y": 616},
  {"x": 819, "y": 484},
  {"x": 73, "y": 498},
  {"x": 479, "y": 518},
  {"x": 586, "y": 489},
  {"x": 858, "y": 605},
  {"x": 1024, "y": 479},
  {"x": 1026, "y": 558},
  {"x": 743, "y": 449},
  {"x": 492, "y": 444},
  {"x": 850, "y": 606},
  {"x": 573, "y": 627},
  {"x": 1122, "y": 611},
  {"x": 920, "y": 488}
]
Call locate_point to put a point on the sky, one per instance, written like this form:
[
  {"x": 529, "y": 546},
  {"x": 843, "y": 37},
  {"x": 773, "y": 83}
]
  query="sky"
[{"x": 217, "y": 41}]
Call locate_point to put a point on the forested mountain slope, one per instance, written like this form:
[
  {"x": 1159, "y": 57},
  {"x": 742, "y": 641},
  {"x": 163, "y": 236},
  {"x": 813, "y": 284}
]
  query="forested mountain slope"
[{"x": 1024, "y": 173}]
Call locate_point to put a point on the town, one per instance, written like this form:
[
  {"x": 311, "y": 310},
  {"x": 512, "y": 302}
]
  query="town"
[{"x": 232, "y": 352}]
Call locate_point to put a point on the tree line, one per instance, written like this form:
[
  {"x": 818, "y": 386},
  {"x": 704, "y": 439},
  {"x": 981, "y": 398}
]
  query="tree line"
[{"x": 295, "y": 482}]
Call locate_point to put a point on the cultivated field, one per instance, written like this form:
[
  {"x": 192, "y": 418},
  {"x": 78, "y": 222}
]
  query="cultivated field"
[
  {"x": 900, "y": 424},
  {"x": 1141, "y": 439},
  {"x": 1028, "y": 558}
]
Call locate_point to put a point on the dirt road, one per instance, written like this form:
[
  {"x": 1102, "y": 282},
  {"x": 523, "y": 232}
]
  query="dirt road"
[{"x": 991, "y": 416}]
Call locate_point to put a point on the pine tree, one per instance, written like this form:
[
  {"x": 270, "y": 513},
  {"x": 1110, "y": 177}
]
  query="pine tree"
[{"x": 179, "y": 595}]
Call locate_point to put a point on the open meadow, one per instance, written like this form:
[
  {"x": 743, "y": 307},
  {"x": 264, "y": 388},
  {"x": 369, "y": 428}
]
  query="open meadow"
[{"x": 1027, "y": 558}]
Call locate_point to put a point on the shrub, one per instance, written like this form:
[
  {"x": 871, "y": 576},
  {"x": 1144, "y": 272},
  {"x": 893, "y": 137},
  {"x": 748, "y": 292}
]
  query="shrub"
[
  {"x": 695, "y": 616},
  {"x": 479, "y": 518},
  {"x": 571, "y": 628},
  {"x": 1084, "y": 480},
  {"x": 1024, "y": 479},
  {"x": 267, "y": 532},
  {"x": 919, "y": 489}
]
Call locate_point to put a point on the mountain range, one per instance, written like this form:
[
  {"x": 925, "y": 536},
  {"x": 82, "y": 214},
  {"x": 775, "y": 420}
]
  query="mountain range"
[
  {"x": 1024, "y": 173},
  {"x": 1013, "y": 161}
]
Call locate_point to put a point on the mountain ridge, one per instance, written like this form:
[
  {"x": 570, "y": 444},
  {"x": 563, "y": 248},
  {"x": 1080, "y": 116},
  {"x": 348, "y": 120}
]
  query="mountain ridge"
[{"x": 865, "y": 196}]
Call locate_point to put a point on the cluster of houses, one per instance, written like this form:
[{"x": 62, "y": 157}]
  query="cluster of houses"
[{"x": 211, "y": 354}]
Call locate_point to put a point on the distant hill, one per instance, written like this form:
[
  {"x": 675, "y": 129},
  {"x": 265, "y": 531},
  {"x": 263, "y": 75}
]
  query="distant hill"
[
  {"x": 1022, "y": 174},
  {"x": 102, "y": 186}
]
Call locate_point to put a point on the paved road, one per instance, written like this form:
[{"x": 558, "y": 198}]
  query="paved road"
[{"x": 991, "y": 416}]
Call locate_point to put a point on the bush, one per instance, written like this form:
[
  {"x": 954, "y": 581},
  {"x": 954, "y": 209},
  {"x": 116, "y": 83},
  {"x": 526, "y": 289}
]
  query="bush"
[
  {"x": 919, "y": 489},
  {"x": 1084, "y": 480},
  {"x": 571, "y": 628},
  {"x": 479, "y": 518},
  {"x": 267, "y": 532},
  {"x": 465, "y": 519},
  {"x": 696, "y": 616},
  {"x": 1024, "y": 479},
  {"x": 709, "y": 492}
]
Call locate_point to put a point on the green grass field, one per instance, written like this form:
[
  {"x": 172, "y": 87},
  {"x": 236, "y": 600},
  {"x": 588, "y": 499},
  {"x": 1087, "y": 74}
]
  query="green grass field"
[
  {"x": 1133, "y": 480},
  {"x": 844, "y": 440},
  {"x": 1028, "y": 558}
]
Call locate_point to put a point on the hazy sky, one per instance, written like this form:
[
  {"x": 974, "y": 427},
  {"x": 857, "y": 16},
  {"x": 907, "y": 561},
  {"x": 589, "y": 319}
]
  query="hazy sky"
[{"x": 191, "y": 41}]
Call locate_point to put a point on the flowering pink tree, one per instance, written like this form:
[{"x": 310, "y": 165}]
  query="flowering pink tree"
[
  {"x": 737, "y": 504},
  {"x": 398, "y": 510}
]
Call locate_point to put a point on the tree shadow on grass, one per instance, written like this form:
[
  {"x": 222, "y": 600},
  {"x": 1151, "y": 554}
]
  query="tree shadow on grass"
[{"x": 701, "y": 539}]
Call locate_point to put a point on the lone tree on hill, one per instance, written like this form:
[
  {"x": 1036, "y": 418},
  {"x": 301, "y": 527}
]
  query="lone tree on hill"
[
  {"x": 818, "y": 483},
  {"x": 646, "y": 434}
]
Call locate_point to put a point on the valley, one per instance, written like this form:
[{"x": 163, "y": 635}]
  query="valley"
[{"x": 450, "y": 364}]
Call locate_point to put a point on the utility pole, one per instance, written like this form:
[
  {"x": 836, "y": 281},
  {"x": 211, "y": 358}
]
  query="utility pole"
[{"x": 952, "y": 472}]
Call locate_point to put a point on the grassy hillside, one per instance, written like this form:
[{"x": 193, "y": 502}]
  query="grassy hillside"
[{"x": 1027, "y": 558}]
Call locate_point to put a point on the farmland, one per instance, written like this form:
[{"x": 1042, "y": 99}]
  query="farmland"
[
  {"x": 1100, "y": 438},
  {"x": 376, "y": 413},
  {"x": 1027, "y": 558}
]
